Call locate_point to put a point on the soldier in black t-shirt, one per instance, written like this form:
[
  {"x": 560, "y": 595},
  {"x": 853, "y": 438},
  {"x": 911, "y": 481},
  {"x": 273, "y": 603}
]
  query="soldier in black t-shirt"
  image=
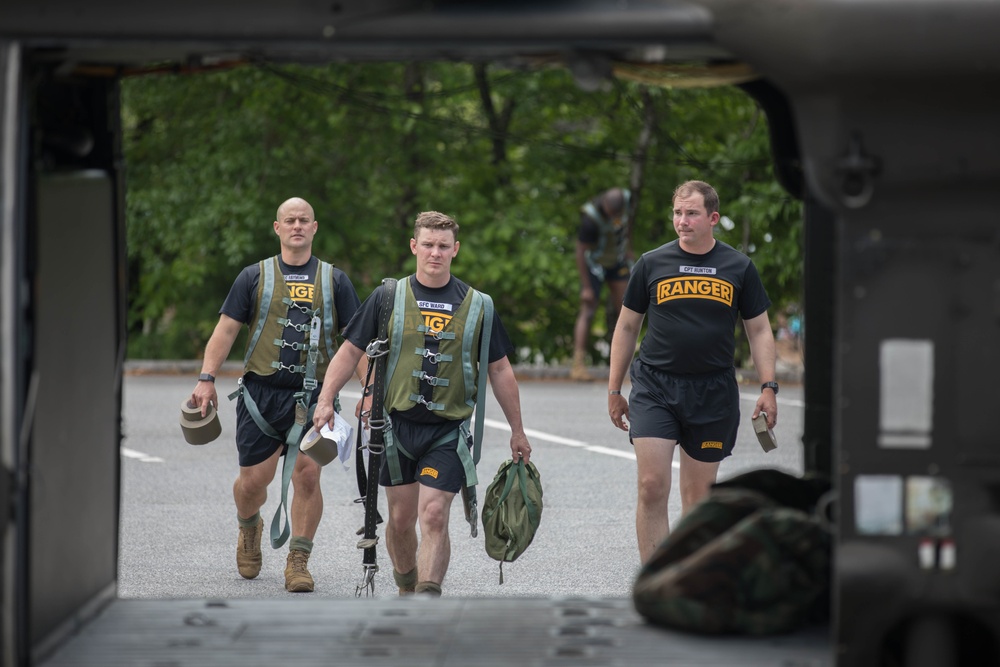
[
  {"x": 288, "y": 302},
  {"x": 423, "y": 410},
  {"x": 684, "y": 388},
  {"x": 603, "y": 256}
]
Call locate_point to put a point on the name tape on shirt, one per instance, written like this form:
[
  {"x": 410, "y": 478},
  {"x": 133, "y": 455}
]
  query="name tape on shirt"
[
  {"x": 434, "y": 318},
  {"x": 434, "y": 305},
  {"x": 698, "y": 270}
]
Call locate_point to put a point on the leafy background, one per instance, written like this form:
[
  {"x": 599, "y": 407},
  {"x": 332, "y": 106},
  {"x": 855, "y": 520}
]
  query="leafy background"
[{"x": 510, "y": 153}]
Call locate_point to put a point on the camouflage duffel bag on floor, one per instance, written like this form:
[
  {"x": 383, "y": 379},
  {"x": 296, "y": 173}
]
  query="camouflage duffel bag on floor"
[{"x": 738, "y": 563}]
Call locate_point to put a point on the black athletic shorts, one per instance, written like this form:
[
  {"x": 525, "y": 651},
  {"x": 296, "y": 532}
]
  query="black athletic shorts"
[
  {"x": 617, "y": 273},
  {"x": 700, "y": 412},
  {"x": 439, "y": 468},
  {"x": 277, "y": 406}
]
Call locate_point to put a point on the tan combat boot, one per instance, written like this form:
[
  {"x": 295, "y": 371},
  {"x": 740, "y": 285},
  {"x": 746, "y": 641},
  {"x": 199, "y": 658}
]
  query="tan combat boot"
[
  {"x": 578, "y": 371},
  {"x": 297, "y": 577},
  {"x": 248, "y": 550}
]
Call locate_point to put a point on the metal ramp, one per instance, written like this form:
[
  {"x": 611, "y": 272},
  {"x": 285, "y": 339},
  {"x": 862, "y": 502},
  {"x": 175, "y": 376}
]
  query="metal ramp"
[{"x": 414, "y": 631}]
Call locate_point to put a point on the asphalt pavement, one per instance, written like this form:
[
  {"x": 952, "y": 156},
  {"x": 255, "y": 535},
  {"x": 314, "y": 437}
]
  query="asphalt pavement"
[{"x": 178, "y": 521}]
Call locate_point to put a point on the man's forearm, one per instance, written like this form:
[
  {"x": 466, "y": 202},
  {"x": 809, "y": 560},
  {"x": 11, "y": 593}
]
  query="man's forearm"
[
  {"x": 762, "y": 350},
  {"x": 220, "y": 344},
  {"x": 504, "y": 386}
]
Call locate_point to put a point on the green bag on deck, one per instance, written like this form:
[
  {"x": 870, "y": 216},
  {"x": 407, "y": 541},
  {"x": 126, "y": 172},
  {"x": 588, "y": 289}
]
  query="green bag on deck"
[
  {"x": 512, "y": 510},
  {"x": 752, "y": 558}
]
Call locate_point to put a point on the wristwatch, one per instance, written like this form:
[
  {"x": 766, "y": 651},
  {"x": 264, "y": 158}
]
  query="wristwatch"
[
  {"x": 770, "y": 385},
  {"x": 206, "y": 377}
]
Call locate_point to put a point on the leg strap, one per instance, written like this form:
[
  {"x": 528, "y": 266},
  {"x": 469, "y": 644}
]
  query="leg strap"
[{"x": 280, "y": 535}]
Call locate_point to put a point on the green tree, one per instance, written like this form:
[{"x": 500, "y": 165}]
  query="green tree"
[{"x": 512, "y": 154}]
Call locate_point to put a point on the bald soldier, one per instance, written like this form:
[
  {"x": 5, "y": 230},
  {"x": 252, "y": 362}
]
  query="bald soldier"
[{"x": 295, "y": 307}]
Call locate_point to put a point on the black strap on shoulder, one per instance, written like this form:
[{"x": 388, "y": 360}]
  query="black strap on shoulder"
[{"x": 377, "y": 351}]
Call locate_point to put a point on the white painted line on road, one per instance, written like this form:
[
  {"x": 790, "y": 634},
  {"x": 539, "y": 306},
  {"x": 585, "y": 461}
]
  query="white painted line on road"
[
  {"x": 539, "y": 435},
  {"x": 559, "y": 440},
  {"x": 141, "y": 456},
  {"x": 597, "y": 449}
]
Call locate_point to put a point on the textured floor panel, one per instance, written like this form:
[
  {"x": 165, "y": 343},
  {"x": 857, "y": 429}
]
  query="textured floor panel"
[{"x": 445, "y": 632}]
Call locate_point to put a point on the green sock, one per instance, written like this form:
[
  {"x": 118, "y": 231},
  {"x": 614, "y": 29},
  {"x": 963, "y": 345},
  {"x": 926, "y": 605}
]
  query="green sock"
[
  {"x": 429, "y": 587},
  {"x": 405, "y": 581},
  {"x": 300, "y": 544},
  {"x": 249, "y": 523}
]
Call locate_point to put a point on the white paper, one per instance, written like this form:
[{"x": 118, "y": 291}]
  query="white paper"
[{"x": 342, "y": 433}]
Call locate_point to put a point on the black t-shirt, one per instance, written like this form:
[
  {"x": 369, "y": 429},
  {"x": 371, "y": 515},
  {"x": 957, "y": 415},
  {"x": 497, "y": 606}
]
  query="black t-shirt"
[
  {"x": 692, "y": 303},
  {"x": 301, "y": 280},
  {"x": 433, "y": 301}
]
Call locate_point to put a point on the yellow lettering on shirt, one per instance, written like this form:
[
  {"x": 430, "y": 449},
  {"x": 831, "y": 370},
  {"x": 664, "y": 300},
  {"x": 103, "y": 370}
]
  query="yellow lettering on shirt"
[
  {"x": 301, "y": 292},
  {"x": 691, "y": 287},
  {"x": 436, "y": 321}
]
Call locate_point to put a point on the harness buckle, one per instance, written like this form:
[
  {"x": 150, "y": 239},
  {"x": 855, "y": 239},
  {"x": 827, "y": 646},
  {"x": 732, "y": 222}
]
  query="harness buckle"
[
  {"x": 291, "y": 369},
  {"x": 433, "y": 357},
  {"x": 432, "y": 380},
  {"x": 239, "y": 389},
  {"x": 377, "y": 348},
  {"x": 281, "y": 342},
  {"x": 430, "y": 405},
  {"x": 367, "y": 584}
]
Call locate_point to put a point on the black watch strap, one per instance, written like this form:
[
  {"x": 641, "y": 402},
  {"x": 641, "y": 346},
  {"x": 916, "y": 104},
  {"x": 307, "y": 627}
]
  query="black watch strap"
[
  {"x": 770, "y": 385},
  {"x": 206, "y": 377}
]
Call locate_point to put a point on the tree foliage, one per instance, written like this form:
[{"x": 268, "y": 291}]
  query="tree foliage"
[{"x": 511, "y": 154}]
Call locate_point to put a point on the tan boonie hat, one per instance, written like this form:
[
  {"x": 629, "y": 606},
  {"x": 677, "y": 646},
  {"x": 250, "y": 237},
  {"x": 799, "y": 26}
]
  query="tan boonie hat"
[
  {"x": 199, "y": 430},
  {"x": 319, "y": 449}
]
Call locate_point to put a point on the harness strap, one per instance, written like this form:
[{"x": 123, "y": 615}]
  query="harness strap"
[
  {"x": 267, "y": 275},
  {"x": 398, "y": 317},
  {"x": 254, "y": 411},
  {"x": 393, "y": 448},
  {"x": 475, "y": 442},
  {"x": 467, "y": 459},
  {"x": 484, "y": 362},
  {"x": 378, "y": 425},
  {"x": 326, "y": 280},
  {"x": 280, "y": 535}
]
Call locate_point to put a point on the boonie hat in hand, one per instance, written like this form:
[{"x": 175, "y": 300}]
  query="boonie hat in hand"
[
  {"x": 199, "y": 430},
  {"x": 319, "y": 449}
]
